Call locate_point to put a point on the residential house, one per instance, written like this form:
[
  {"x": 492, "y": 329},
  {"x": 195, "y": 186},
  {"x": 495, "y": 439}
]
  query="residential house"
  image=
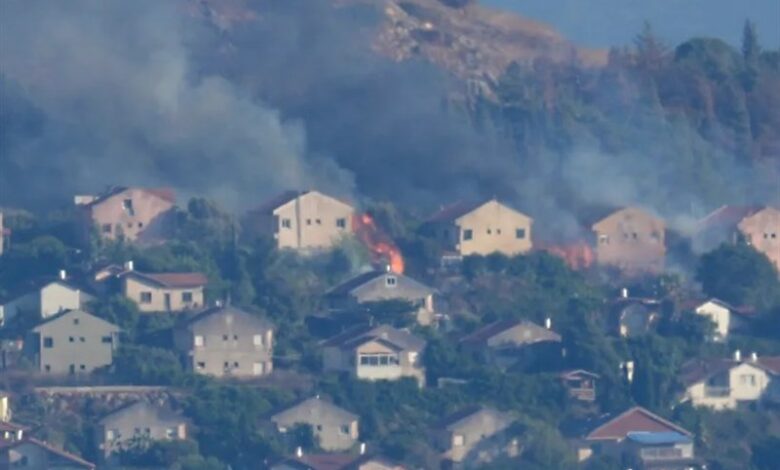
[
  {"x": 225, "y": 341},
  {"x": 633, "y": 316},
  {"x": 32, "y": 454},
  {"x": 335, "y": 462},
  {"x": 378, "y": 286},
  {"x": 128, "y": 213},
  {"x": 640, "y": 439},
  {"x": 120, "y": 428},
  {"x": 44, "y": 298},
  {"x": 481, "y": 228},
  {"x": 72, "y": 342},
  {"x": 164, "y": 292},
  {"x": 580, "y": 384},
  {"x": 725, "y": 318},
  {"x": 508, "y": 343},
  {"x": 631, "y": 240},
  {"x": 335, "y": 428},
  {"x": 758, "y": 226},
  {"x": 11, "y": 432},
  {"x": 475, "y": 436},
  {"x": 305, "y": 221},
  {"x": 722, "y": 383},
  {"x": 376, "y": 353}
]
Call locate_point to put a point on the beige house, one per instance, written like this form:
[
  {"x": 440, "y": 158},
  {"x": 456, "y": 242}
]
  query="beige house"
[
  {"x": 758, "y": 226},
  {"x": 302, "y": 220},
  {"x": 334, "y": 427},
  {"x": 376, "y": 353},
  {"x": 377, "y": 286},
  {"x": 164, "y": 292},
  {"x": 44, "y": 298},
  {"x": 475, "y": 436},
  {"x": 725, "y": 383},
  {"x": 226, "y": 342},
  {"x": 128, "y": 213},
  {"x": 481, "y": 228},
  {"x": 119, "y": 429},
  {"x": 630, "y": 239}
]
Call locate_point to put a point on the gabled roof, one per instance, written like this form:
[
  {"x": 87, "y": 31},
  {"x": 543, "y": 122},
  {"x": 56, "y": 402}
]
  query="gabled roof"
[
  {"x": 466, "y": 416},
  {"x": 67, "y": 313},
  {"x": 314, "y": 406},
  {"x": 212, "y": 312},
  {"x": 136, "y": 407},
  {"x": 359, "y": 334},
  {"x": 456, "y": 210},
  {"x": 636, "y": 419},
  {"x": 615, "y": 213},
  {"x": 404, "y": 283},
  {"x": 172, "y": 280},
  {"x": 693, "y": 304},
  {"x": 285, "y": 197},
  {"x": 576, "y": 373},
  {"x": 700, "y": 369},
  {"x": 322, "y": 461},
  {"x": 41, "y": 282},
  {"x": 728, "y": 216},
  {"x": 483, "y": 334},
  {"x": 167, "y": 194},
  {"x": 58, "y": 452}
]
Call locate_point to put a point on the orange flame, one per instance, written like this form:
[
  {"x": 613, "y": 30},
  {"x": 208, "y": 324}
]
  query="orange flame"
[
  {"x": 577, "y": 255},
  {"x": 382, "y": 248}
]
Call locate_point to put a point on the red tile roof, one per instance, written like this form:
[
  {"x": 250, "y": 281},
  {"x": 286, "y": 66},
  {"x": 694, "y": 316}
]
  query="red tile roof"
[{"x": 636, "y": 419}]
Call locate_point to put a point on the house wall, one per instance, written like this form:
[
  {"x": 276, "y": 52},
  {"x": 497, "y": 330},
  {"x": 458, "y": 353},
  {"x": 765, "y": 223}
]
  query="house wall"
[
  {"x": 312, "y": 222},
  {"x": 126, "y": 426},
  {"x": 380, "y": 372},
  {"x": 473, "y": 433},
  {"x": 632, "y": 240},
  {"x": 326, "y": 428},
  {"x": 133, "y": 287},
  {"x": 404, "y": 289},
  {"x": 55, "y": 298},
  {"x": 28, "y": 304},
  {"x": 494, "y": 229},
  {"x": 210, "y": 358},
  {"x": 5, "y": 409},
  {"x": 762, "y": 231},
  {"x": 37, "y": 458},
  {"x": 719, "y": 315},
  {"x": 740, "y": 385},
  {"x": 149, "y": 219},
  {"x": 86, "y": 349}
]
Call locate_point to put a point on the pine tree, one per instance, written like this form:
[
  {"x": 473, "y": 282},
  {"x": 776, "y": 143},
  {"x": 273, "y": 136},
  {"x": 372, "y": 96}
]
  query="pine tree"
[{"x": 750, "y": 52}]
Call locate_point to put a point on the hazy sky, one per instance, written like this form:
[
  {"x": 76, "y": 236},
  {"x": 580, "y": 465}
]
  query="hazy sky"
[{"x": 602, "y": 23}]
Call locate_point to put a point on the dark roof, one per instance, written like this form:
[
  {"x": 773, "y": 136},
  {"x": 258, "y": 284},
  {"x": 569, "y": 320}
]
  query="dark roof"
[
  {"x": 728, "y": 216},
  {"x": 488, "y": 331},
  {"x": 393, "y": 337},
  {"x": 699, "y": 369},
  {"x": 261, "y": 322},
  {"x": 351, "y": 284},
  {"x": 40, "y": 282},
  {"x": 405, "y": 284},
  {"x": 322, "y": 461},
  {"x": 6, "y": 426},
  {"x": 456, "y": 210},
  {"x": 167, "y": 194},
  {"x": 635, "y": 419},
  {"x": 319, "y": 403},
  {"x": 59, "y": 452},
  {"x": 173, "y": 280},
  {"x": 162, "y": 412},
  {"x": 658, "y": 438},
  {"x": 453, "y": 418}
]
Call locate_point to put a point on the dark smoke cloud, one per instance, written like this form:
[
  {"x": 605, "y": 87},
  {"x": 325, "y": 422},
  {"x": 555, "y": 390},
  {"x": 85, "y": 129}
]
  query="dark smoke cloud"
[{"x": 155, "y": 93}]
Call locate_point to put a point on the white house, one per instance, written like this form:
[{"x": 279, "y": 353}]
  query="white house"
[
  {"x": 722, "y": 315},
  {"x": 45, "y": 298}
]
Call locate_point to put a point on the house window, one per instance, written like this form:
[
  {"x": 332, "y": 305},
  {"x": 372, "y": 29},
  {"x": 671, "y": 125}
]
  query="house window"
[
  {"x": 186, "y": 297},
  {"x": 286, "y": 223},
  {"x": 105, "y": 228},
  {"x": 318, "y": 221},
  {"x": 129, "y": 225},
  {"x": 198, "y": 340},
  {"x": 458, "y": 440},
  {"x": 47, "y": 368},
  {"x": 82, "y": 367},
  {"x": 48, "y": 342},
  {"x": 127, "y": 204},
  {"x": 146, "y": 297},
  {"x": 226, "y": 365},
  {"x": 107, "y": 339},
  {"x": 75, "y": 321},
  {"x": 257, "y": 340},
  {"x": 71, "y": 339},
  {"x": 308, "y": 221},
  {"x": 748, "y": 379},
  {"x": 200, "y": 365},
  {"x": 257, "y": 368},
  {"x": 391, "y": 281},
  {"x": 468, "y": 234},
  {"x": 170, "y": 433},
  {"x": 235, "y": 337},
  {"x": 655, "y": 236},
  {"x": 81, "y": 339},
  {"x": 319, "y": 427},
  {"x": 635, "y": 236},
  {"x": 341, "y": 223},
  {"x": 140, "y": 225},
  {"x": 489, "y": 231},
  {"x": 603, "y": 239},
  {"x": 520, "y": 233},
  {"x": 225, "y": 337},
  {"x": 498, "y": 231},
  {"x": 110, "y": 435},
  {"x": 235, "y": 365},
  {"x": 344, "y": 429}
]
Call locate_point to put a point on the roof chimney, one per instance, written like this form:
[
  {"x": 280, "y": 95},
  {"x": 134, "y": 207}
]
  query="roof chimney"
[
  {"x": 753, "y": 357},
  {"x": 63, "y": 274},
  {"x": 218, "y": 303},
  {"x": 624, "y": 292},
  {"x": 548, "y": 323},
  {"x": 737, "y": 355},
  {"x": 387, "y": 268},
  {"x": 299, "y": 451},
  {"x": 628, "y": 369},
  {"x": 129, "y": 265},
  {"x": 362, "y": 448}
]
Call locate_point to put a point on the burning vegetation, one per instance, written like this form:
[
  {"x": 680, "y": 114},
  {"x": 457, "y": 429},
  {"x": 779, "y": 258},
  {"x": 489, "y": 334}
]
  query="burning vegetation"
[
  {"x": 383, "y": 249},
  {"x": 577, "y": 255}
]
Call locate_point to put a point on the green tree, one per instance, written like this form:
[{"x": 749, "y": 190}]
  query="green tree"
[{"x": 739, "y": 275}]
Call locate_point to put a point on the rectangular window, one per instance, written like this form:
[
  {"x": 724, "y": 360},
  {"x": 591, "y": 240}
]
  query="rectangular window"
[
  {"x": 127, "y": 204},
  {"x": 257, "y": 368},
  {"x": 341, "y": 223},
  {"x": 257, "y": 340},
  {"x": 47, "y": 368},
  {"x": 75, "y": 321},
  {"x": 107, "y": 339},
  {"x": 391, "y": 281},
  {"x": 81, "y": 339},
  {"x": 82, "y": 367},
  {"x": 344, "y": 429},
  {"x": 105, "y": 228},
  {"x": 225, "y": 337},
  {"x": 384, "y": 360},
  {"x": 71, "y": 339},
  {"x": 318, "y": 221},
  {"x": 308, "y": 221},
  {"x": 110, "y": 435},
  {"x": 198, "y": 340},
  {"x": 603, "y": 239},
  {"x": 363, "y": 360},
  {"x": 146, "y": 297},
  {"x": 186, "y": 297},
  {"x": 468, "y": 234},
  {"x": 520, "y": 233},
  {"x": 200, "y": 365},
  {"x": 48, "y": 342},
  {"x": 457, "y": 440},
  {"x": 286, "y": 223},
  {"x": 170, "y": 433}
]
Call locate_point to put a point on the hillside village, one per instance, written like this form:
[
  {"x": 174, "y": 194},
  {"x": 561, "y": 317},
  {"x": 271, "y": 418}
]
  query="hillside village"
[{"x": 314, "y": 333}]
